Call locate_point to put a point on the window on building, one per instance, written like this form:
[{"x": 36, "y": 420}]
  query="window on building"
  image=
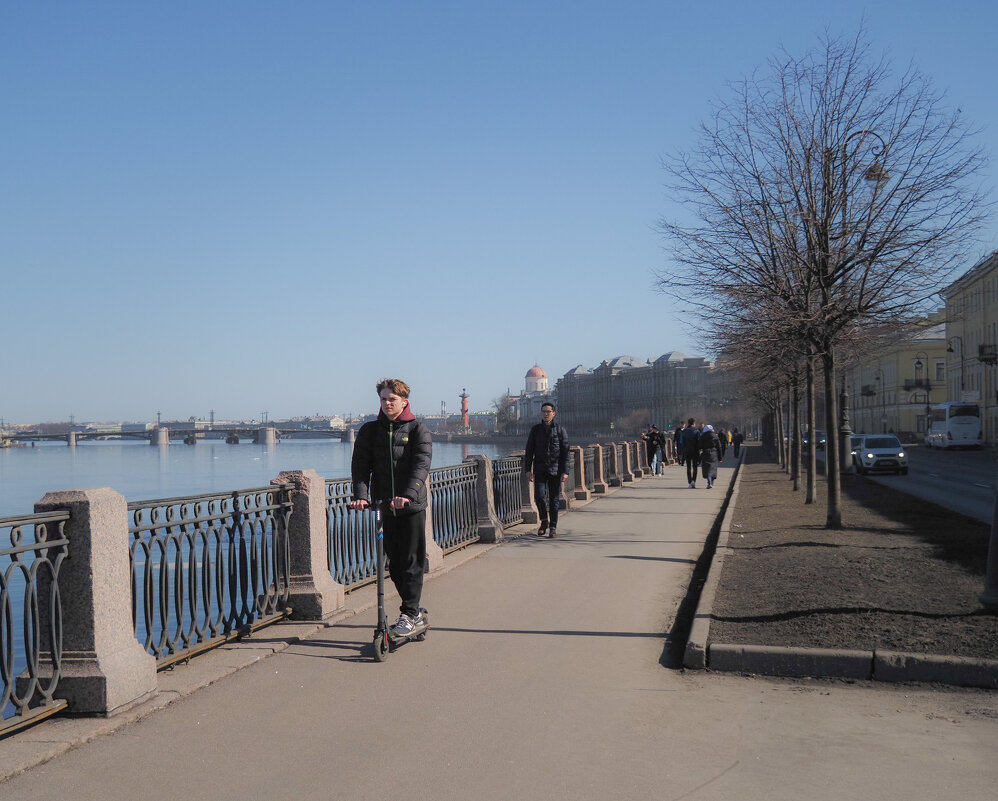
[{"x": 940, "y": 370}]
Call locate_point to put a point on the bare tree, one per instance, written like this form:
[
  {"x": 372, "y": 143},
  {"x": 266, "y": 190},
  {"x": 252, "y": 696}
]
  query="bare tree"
[{"x": 831, "y": 195}]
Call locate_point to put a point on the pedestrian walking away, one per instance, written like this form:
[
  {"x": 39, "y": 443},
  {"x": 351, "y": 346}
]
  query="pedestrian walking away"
[
  {"x": 710, "y": 454},
  {"x": 545, "y": 461},
  {"x": 737, "y": 438},
  {"x": 690, "y": 444},
  {"x": 390, "y": 466},
  {"x": 677, "y": 443}
]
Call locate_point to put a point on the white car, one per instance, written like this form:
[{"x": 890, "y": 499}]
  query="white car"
[{"x": 879, "y": 452}]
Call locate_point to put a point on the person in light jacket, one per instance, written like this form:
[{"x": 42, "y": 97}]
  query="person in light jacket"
[{"x": 710, "y": 454}]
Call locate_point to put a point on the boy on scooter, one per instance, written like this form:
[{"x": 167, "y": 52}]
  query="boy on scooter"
[{"x": 391, "y": 462}]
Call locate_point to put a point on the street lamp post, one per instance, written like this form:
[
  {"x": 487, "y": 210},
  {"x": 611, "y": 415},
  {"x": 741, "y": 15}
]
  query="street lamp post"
[
  {"x": 879, "y": 377},
  {"x": 875, "y": 173},
  {"x": 922, "y": 358},
  {"x": 949, "y": 349},
  {"x": 845, "y": 430}
]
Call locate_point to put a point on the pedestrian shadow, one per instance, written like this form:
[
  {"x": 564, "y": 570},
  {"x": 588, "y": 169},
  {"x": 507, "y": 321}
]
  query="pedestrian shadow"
[{"x": 655, "y": 559}]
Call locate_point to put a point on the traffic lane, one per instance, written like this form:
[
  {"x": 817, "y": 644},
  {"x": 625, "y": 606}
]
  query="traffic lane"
[{"x": 963, "y": 481}]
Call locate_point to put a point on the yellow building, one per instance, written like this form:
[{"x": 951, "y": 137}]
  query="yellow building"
[
  {"x": 972, "y": 341},
  {"x": 891, "y": 391}
]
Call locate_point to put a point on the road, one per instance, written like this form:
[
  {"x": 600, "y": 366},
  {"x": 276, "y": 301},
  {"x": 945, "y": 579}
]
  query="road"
[{"x": 963, "y": 481}]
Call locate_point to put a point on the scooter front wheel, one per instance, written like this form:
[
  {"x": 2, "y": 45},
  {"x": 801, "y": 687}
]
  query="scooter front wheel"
[{"x": 382, "y": 646}]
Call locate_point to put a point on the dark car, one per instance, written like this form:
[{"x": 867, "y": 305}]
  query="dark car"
[{"x": 819, "y": 441}]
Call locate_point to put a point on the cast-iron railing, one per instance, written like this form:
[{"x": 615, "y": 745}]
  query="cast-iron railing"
[
  {"x": 590, "y": 466},
  {"x": 207, "y": 567},
  {"x": 609, "y": 462},
  {"x": 351, "y": 534},
  {"x": 30, "y": 648},
  {"x": 507, "y": 489},
  {"x": 455, "y": 505},
  {"x": 353, "y": 557}
]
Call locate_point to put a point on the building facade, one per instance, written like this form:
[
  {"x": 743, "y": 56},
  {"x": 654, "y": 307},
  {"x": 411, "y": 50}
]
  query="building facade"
[
  {"x": 972, "y": 341},
  {"x": 625, "y": 391},
  {"x": 891, "y": 391}
]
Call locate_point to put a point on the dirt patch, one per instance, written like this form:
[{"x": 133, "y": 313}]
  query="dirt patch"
[{"x": 902, "y": 575}]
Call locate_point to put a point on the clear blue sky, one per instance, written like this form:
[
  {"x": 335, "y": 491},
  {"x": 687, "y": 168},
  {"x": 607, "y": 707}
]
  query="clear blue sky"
[{"x": 248, "y": 206}]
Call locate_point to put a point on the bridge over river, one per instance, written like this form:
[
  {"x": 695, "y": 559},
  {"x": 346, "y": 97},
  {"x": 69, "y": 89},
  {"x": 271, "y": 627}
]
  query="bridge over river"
[{"x": 163, "y": 435}]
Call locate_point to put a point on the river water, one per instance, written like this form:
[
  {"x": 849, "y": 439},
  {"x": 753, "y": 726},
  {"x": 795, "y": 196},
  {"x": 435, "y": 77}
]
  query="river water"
[{"x": 142, "y": 472}]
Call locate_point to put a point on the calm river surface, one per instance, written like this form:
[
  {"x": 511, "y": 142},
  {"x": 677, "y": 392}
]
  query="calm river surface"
[{"x": 142, "y": 472}]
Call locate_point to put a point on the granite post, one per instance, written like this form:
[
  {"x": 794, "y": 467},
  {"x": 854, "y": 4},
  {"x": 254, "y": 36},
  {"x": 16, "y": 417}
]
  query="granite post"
[
  {"x": 612, "y": 466},
  {"x": 599, "y": 480},
  {"x": 627, "y": 471},
  {"x": 489, "y": 525},
  {"x": 529, "y": 511},
  {"x": 313, "y": 592},
  {"x": 582, "y": 492},
  {"x": 434, "y": 553},
  {"x": 104, "y": 668}
]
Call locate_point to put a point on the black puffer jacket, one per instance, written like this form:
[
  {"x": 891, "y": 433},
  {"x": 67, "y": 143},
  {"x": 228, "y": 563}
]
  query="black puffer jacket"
[
  {"x": 546, "y": 451},
  {"x": 392, "y": 457}
]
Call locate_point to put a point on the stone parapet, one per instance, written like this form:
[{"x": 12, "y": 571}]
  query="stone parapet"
[
  {"x": 489, "y": 526},
  {"x": 314, "y": 594},
  {"x": 104, "y": 668}
]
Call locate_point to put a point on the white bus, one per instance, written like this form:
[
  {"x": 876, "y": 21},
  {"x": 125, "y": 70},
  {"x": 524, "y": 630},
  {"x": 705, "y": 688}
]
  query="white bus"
[{"x": 954, "y": 425}]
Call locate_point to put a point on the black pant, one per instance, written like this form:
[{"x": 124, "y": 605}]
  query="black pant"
[
  {"x": 692, "y": 462},
  {"x": 405, "y": 547},
  {"x": 547, "y": 490}
]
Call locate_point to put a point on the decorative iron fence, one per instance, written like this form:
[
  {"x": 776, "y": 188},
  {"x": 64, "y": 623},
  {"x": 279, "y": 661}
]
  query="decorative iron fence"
[
  {"x": 609, "y": 462},
  {"x": 30, "y": 649},
  {"x": 507, "y": 483},
  {"x": 353, "y": 557},
  {"x": 207, "y": 567},
  {"x": 590, "y": 466},
  {"x": 455, "y": 505}
]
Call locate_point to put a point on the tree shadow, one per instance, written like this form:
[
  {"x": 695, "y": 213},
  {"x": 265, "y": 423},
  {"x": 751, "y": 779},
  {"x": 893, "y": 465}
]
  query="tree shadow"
[{"x": 952, "y": 536}]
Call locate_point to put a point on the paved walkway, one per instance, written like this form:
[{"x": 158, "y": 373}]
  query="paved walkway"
[{"x": 540, "y": 679}]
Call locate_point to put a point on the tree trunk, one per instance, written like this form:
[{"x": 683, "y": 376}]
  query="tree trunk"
[
  {"x": 795, "y": 431},
  {"x": 811, "y": 495},
  {"x": 832, "y": 474}
]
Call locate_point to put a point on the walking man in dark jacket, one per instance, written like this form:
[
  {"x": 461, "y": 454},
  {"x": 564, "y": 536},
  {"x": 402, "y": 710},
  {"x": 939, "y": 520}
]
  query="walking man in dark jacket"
[
  {"x": 391, "y": 462},
  {"x": 690, "y": 441},
  {"x": 546, "y": 464}
]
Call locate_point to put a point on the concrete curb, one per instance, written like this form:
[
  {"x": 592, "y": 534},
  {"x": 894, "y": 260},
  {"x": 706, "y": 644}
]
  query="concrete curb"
[
  {"x": 764, "y": 660},
  {"x": 695, "y": 656}
]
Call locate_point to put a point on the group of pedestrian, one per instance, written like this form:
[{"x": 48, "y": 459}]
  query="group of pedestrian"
[
  {"x": 702, "y": 448},
  {"x": 655, "y": 445},
  {"x": 391, "y": 465}
]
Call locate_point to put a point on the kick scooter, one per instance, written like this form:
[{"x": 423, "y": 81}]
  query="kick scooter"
[{"x": 384, "y": 640}]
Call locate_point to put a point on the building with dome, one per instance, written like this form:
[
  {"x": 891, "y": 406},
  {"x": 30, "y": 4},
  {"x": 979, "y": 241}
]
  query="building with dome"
[{"x": 525, "y": 408}]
